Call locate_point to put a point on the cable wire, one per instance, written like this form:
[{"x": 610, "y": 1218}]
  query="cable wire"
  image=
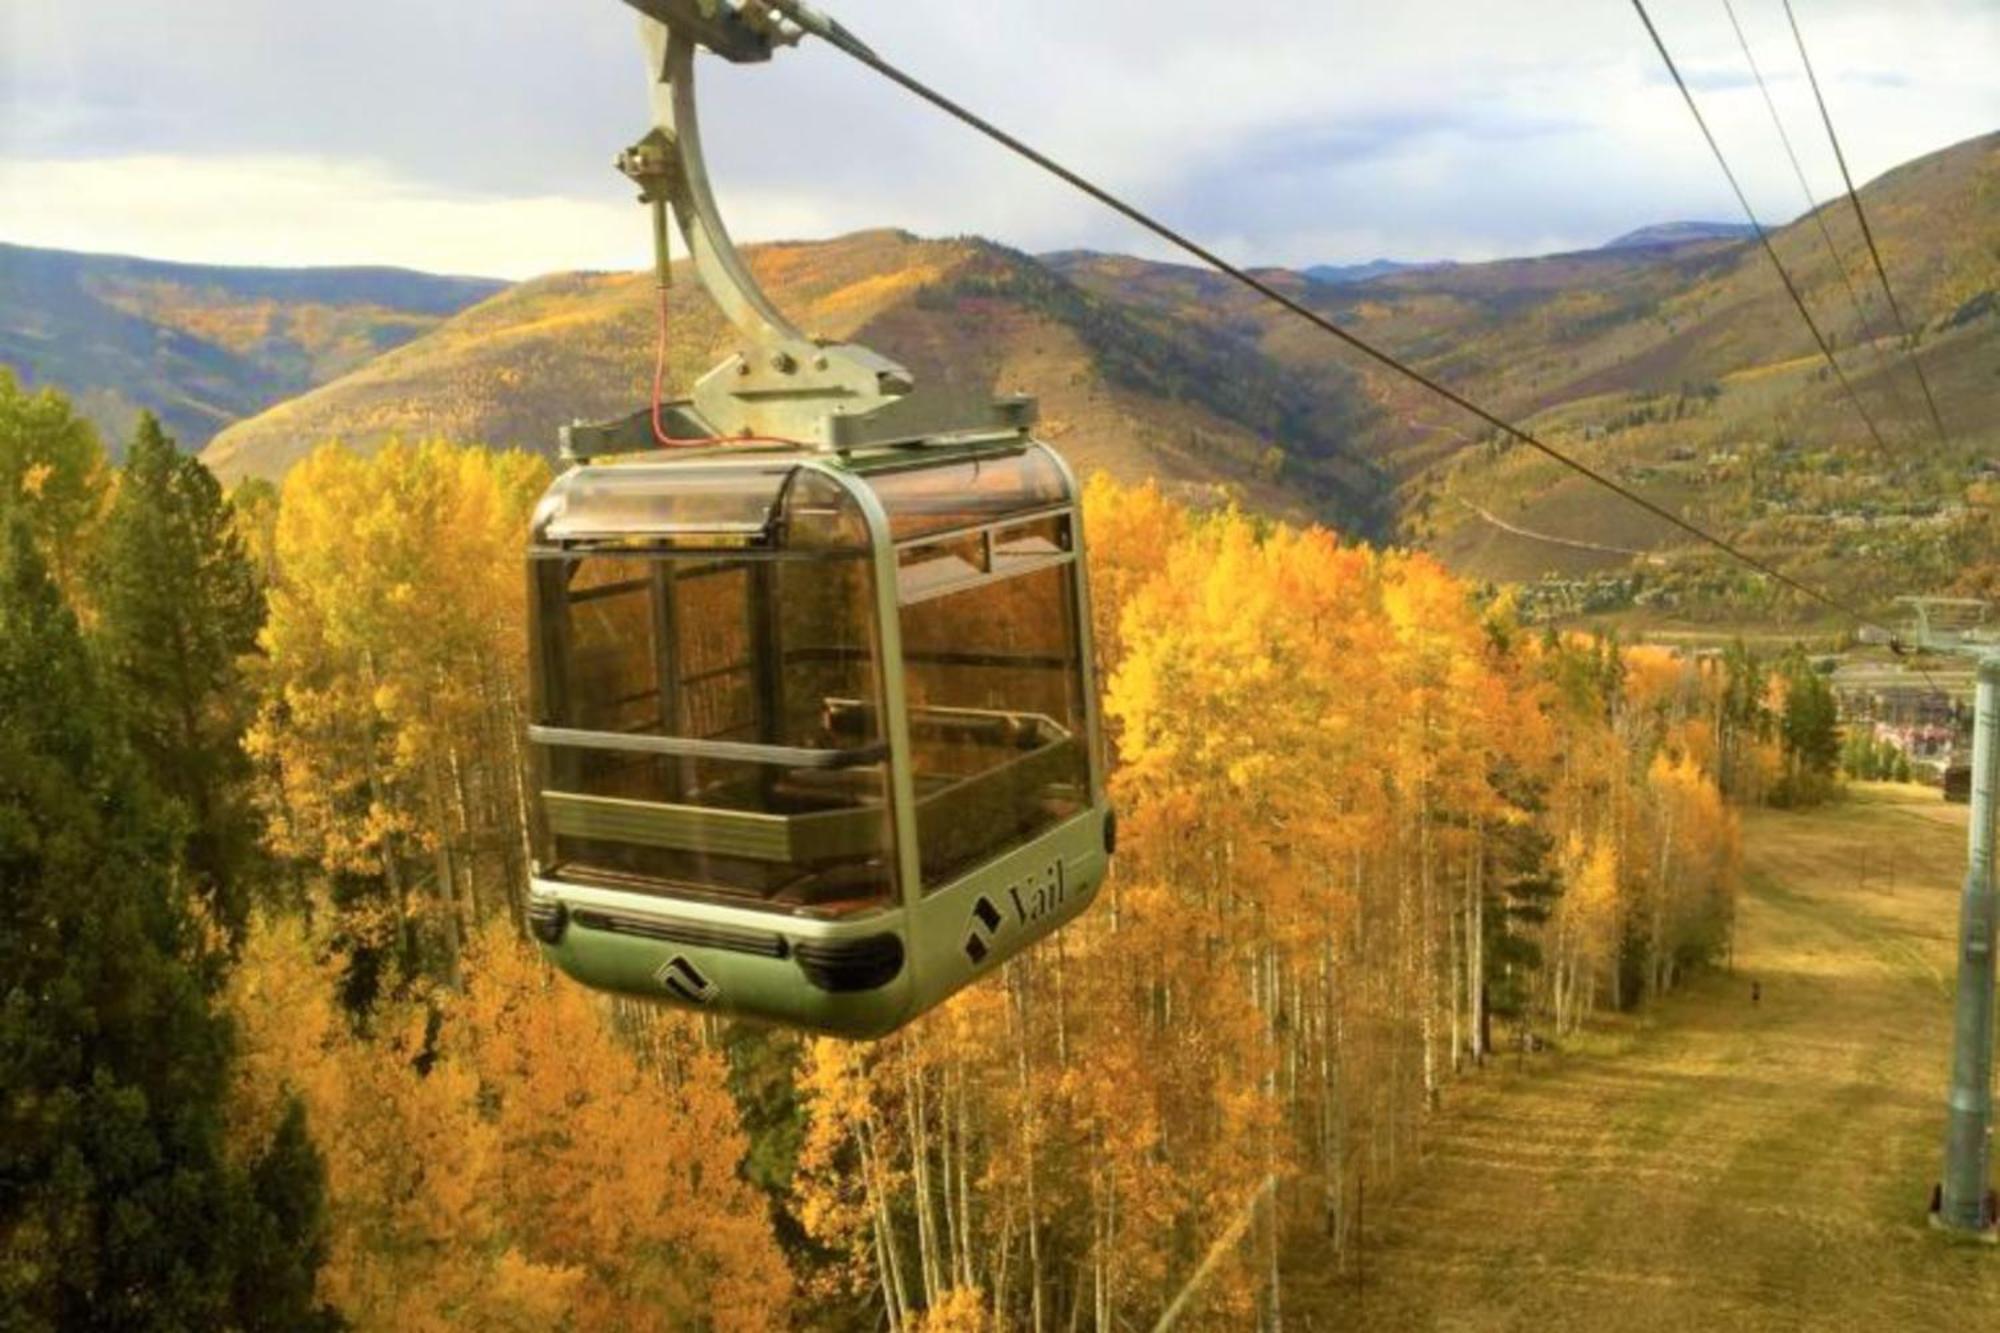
[
  {"x": 1875, "y": 256},
  {"x": 1763, "y": 237},
  {"x": 1867, "y": 233},
  {"x": 849, "y": 45},
  {"x": 1813, "y": 210}
]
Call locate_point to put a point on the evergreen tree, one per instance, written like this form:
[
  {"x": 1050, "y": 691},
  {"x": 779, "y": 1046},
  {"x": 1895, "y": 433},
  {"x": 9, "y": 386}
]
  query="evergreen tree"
[
  {"x": 1521, "y": 898},
  {"x": 1809, "y": 730},
  {"x": 178, "y": 609},
  {"x": 285, "y": 1228},
  {"x": 118, "y": 1209}
]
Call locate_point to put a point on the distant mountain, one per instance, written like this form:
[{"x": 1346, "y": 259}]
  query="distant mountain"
[
  {"x": 202, "y": 346},
  {"x": 1659, "y": 235},
  {"x": 1680, "y": 233},
  {"x": 1683, "y": 371},
  {"x": 1677, "y": 368},
  {"x": 1336, "y": 275},
  {"x": 1122, "y": 387}
]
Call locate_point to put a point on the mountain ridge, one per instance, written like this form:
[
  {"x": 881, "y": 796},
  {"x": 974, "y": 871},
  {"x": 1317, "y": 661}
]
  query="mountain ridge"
[
  {"x": 1675, "y": 365},
  {"x": 1683, "y": 372},
  {"x": 1134, "y": 391},
  {"x": 1680, "y": 233},
  {"x": 202, "y": 345}
]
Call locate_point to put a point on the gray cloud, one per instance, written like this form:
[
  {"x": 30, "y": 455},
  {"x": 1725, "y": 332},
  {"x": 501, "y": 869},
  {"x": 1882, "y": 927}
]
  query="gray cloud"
[{"x": 1284, "y": 132}]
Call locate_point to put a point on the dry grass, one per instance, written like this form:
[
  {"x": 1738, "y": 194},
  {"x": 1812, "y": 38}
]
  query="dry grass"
[{"x": 1717, "y": 1166}]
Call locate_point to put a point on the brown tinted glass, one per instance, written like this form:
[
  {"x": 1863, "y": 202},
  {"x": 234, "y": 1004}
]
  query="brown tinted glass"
[
  {"x": 772, "y": 652},
  {"x": 821, "y": 515},
  {"x": 925, "y": 569},
  {"x": 1024, "y": 545},
  {"x": 941, "y": 497},
  {"x": 624, "y": 501},
  {"x": 997, "y": 728}
]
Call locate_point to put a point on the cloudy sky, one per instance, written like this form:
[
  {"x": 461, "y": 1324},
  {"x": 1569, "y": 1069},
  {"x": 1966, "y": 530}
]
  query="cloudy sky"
[{"x": 477, "y": 138}]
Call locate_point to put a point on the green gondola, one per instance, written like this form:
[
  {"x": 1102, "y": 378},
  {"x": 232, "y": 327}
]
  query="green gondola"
[{"x": 815, "y": 725}]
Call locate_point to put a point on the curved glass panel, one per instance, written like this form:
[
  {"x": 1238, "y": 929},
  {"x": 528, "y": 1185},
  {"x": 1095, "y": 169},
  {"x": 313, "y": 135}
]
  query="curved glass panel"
[
  {"x": 640, "y": 500},
  {"x": 821, "y": 515},
  {"x": 939, "y": 497}
]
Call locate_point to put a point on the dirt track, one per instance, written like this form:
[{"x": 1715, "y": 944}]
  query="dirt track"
[{"x": 1718, "y": 1166}]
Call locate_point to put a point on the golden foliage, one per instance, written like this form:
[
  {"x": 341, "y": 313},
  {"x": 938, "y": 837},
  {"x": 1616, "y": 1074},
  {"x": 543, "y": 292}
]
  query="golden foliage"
[
  {"x": 506, "y": 1157},
  {"x": 393, "y": 698},
  {"x": 1325, "y": 754},
  {"x": 1344, "y": 788}
]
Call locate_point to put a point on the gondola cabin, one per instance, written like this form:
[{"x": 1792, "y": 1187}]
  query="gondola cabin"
[{"x": 815, "y": 732}]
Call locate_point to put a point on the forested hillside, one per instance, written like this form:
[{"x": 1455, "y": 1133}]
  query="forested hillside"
[
  {"x": 1138, "y": 393},
  {"x": 1374, "y": 830},
  {"x": 1686, "y": 373},
  {"x": 201, "y": 346},
  {"x": 1676, "y": 365}
]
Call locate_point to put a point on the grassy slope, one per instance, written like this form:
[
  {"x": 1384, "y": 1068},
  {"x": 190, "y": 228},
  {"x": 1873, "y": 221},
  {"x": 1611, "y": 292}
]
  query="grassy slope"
[
  {"x": 1716, "y": 1166},
  {"x": 202, "y": 346},
  {"x": 1136, "y": 392}
]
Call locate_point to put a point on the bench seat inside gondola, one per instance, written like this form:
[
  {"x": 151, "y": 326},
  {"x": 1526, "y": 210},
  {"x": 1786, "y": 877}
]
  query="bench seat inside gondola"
[{"x": 987, "y": 778}]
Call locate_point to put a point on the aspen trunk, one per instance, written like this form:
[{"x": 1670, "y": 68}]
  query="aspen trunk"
[
  {"x": 967, "y": 1274},
  {"x": 1028, "y": 1145},
  {"x": 518, "y": 782},
  {"x": 1476, "y": 941},
  {"x": 1656, "y": 969},
  {"x": 929, "y": 1268},
  {"x": 447, "y": 880},
  {"x": 1458, "y": 963},
  {"x": 876, "y": 1179}
]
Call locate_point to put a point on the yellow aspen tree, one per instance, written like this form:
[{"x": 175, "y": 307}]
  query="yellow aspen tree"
[
  {"x": 414, "y": 1170},
  {"x": 622, "y": 1172},
  {"x": 389, "y": 730}
]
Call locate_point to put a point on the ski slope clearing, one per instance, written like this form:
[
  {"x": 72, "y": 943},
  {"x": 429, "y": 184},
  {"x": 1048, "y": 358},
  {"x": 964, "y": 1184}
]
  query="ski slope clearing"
[{"x": 1718, "y": 1165}]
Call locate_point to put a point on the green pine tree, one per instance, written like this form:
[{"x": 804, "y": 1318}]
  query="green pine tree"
[
  {"x": 179, "y": 608},
  {"x": 118, "y": 1208},
  {"x": 1809, "y": 732},
  {"x": 284, "y": 1229}
]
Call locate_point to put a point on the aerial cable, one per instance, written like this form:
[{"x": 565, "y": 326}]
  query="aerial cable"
[
  {"x": 838, "y": 37},
  {"x": 1813, "y": 210},
  {"x": 1867, "y": 233},
  {"x": 1763, "y": 237}
]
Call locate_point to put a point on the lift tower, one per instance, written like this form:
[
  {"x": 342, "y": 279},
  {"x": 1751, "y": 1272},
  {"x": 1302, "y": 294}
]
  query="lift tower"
[{"x": 1965, "y": 1200}]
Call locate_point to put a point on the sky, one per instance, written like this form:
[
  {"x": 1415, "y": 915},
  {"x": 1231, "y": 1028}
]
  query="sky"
[{"x": 462, "y": 138}]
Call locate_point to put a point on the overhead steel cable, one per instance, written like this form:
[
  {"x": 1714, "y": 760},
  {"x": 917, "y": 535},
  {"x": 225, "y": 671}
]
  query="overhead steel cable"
[
  {"x": 845, "y": 42},
  {"x": 1867, "y": 232},
  {"x": 1763, "y": 237},
  {"x": 1798, "y": 300},
  {"x": 1813, "y": 209}
]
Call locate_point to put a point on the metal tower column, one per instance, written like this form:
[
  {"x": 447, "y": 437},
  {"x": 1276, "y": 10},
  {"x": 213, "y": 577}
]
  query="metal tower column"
[{"x": 1968, "y": 1136}]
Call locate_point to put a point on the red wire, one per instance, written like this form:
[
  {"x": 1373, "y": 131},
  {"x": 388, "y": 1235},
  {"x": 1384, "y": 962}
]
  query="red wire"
[{"x": 667, "y": 441}]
